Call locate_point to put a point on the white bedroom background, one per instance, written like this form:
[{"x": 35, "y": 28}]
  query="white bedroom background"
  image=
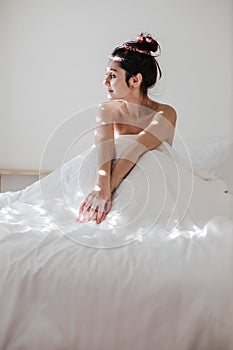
[{"x": 54, "y": 53}]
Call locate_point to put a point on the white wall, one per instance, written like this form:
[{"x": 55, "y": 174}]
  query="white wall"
[{"x": 53, "y": 56}]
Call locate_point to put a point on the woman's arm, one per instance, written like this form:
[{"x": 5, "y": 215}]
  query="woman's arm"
[
  {"x": 150, "y": 138},
  {"x": 98, "y": 202},
  {"x": 105, "y": 153}
]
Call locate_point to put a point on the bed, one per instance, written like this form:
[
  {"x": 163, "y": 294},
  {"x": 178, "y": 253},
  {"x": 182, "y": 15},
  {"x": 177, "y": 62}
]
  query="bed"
[{"x": 163, "y": 292}]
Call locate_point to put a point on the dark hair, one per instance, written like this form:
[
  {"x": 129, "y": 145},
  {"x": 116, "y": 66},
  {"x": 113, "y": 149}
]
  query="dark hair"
[{"x": 137, "y": 57}]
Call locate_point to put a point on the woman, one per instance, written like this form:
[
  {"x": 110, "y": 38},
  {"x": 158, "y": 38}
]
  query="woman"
[
  {"x": 159, "y": 293},
  {"x": 161, "y": 192},
  {"x": 131, "y": 71}
]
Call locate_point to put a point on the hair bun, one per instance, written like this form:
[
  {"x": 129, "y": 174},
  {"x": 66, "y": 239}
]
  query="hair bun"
[
  {"x": 144, "y": 43},
  {"x": 147, "y": 43}
]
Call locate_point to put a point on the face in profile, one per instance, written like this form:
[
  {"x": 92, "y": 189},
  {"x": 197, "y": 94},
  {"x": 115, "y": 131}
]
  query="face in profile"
[{"x": 115, "y": 82}]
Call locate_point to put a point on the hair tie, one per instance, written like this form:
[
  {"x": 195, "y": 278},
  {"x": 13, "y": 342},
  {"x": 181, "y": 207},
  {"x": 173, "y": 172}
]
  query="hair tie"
[{"x": 149, "y": 39}]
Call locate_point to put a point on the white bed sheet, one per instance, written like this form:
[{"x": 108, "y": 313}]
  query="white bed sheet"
[{"x": 162, "y": 291}]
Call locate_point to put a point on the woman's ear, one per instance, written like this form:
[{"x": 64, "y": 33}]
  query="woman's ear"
[{"x": 135, "y": 81}]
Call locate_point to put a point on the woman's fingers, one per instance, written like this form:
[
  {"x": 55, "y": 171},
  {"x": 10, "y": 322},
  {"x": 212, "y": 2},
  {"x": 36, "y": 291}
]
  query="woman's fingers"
[
  {"x": 80, "y": 214},
  {"x": 87, "y": 212},
  {"x": 105, "y": 212},
  {"x": 84, "y": 211},
  {"x": 91, "y": 215},
  {"x": 100, "y": 212},
  {"x": 94, "y": 208}
]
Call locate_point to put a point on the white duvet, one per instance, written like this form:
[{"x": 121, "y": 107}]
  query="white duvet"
[{"x": 156, "y": 274}]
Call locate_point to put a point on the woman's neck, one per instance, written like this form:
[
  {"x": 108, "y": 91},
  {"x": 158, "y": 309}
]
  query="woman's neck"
[{"x": 142, "y": 100}]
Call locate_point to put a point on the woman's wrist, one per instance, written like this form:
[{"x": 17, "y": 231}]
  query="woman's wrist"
[
  {"x": 103, "y": 185},
  {"x": 120, "y": 171}
]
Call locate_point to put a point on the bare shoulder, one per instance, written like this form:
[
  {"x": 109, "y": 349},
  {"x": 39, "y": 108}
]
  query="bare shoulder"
[
  {"x": 168, "y": 112},
  {"x": 112, "y": 104},
  {"x": 109, "y": 110}
]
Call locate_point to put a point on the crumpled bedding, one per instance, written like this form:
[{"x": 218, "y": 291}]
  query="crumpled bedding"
[{"x": 157, "y": 274}]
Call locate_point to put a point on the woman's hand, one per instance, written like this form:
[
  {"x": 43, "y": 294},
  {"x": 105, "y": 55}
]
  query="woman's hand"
[{"x": 95, "y": 206}]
